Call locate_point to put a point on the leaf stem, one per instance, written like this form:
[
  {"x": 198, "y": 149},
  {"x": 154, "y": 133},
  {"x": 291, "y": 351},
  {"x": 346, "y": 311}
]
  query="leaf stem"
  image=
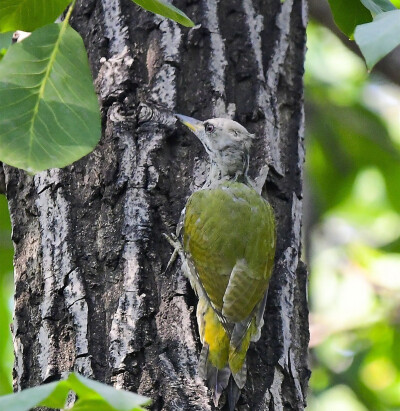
[{"x": 69, "y": 12}]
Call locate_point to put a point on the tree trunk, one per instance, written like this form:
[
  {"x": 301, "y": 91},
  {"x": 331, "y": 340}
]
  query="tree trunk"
[{"x": 91, "y": 294}]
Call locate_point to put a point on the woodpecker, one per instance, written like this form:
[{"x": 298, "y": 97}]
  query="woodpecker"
[{"x": 228, "y": 233}]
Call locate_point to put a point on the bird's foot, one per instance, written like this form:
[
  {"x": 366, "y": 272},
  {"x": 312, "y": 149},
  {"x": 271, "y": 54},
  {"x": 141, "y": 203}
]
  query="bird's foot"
[{"x": 178, "y": 249}]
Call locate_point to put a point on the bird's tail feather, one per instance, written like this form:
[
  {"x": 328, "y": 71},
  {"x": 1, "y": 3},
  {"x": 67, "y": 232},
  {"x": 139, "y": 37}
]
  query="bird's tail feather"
[
  {"x": 240, "y": 376},
  {"x": 217, "y": 379},
  {"x": 233, "y": 394},
  {"x": 222, "y": 361}
]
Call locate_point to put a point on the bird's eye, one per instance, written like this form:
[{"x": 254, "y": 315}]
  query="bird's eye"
[{"x": 209, "y": 128}]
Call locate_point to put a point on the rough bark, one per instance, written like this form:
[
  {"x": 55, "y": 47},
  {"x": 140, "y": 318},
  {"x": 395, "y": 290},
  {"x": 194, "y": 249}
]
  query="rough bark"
[{"x": 90, "y": 293}]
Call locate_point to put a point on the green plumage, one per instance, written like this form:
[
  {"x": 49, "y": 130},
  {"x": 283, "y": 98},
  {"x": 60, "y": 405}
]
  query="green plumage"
[
  {"x": 228, "y": 254},
  {"x": 229, "y": 236}
]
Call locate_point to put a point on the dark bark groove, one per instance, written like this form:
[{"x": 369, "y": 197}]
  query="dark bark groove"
[{"x": 90, "y": 293}]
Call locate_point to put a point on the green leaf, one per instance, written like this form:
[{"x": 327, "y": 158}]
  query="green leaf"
[
  {"x": 27, "y": 399},
  {"x": 49, "y": 114},
  {"x": 28, "y": 15},
  {"x": 378, "y": 6},
  {"x": 90, "y": 405},
  {"x": 5, "y": 40},
  {"x": 58, "y": 397},
  {"x": 5, "y": 43},
  {"x": 348, "y": 14},
  {"x": 165, "y": 9},
  {"x": 92, "y": 395},
  {"x": 380, "y": 37},
  {"x": 6, "y": 290},
  {"x": 87, "y": 389}
]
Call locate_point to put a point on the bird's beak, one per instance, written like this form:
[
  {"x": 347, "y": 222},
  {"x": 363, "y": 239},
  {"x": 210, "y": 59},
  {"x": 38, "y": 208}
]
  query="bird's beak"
[{"x": 191, "y": 123}]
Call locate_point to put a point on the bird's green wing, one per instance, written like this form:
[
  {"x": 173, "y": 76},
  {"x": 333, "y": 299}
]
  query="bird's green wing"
[{"x": 229, "y": 234}]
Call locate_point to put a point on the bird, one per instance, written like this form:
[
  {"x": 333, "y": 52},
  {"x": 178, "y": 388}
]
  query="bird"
[{"x": 226, "y": 238}]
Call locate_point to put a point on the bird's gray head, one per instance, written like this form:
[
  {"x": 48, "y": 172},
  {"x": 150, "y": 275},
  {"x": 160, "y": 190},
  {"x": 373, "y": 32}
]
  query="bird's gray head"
[{"x": 226, "y": 142}]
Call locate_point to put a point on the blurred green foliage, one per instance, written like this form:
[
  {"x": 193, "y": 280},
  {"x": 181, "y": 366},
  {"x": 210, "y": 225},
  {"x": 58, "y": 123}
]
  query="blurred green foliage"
[
  {"x": 353, "y": 230},
  {"x": 6, "y": 291}
]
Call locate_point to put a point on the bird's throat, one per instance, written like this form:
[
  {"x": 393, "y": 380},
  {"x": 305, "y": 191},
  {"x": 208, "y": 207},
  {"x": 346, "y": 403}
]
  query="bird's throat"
[{"x": 219, "y": 174}]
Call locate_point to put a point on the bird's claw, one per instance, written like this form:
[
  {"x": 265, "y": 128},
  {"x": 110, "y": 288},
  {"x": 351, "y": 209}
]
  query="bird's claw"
[
  {"x": 173, "y": 240},
  {"x": 176, "y": 244}
]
